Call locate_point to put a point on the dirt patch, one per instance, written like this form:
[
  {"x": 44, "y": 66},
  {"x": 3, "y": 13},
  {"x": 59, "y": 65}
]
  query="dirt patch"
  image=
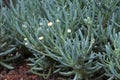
[{"x": 20, "y": 72}]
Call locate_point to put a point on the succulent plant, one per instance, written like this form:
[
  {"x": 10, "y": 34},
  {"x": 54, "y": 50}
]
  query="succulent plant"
[
  {"x": 74, "y": 35},
  {"x": 7, "y": 45}
]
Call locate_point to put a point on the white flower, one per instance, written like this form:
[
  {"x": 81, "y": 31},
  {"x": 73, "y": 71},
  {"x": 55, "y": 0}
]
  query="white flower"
[
  {"x": 11, "y": 54},
  {"x": 88, "y": 20},
  {"x": 41, "y": 38},
  {"x": 85, "y": 20},
  {"x": 50, "y": 23},
  {"x": 69, "y": 30},
  {"x": 39, "y": 28},
  {"x": 57, "y": 20},
  {"x": 26, "y": 43},
  {"x": 24, "y": 26},
  {"x": 41, "y": 24},
  {"x": 55, "y": 47},
  {"x": 25, "y": 39}
]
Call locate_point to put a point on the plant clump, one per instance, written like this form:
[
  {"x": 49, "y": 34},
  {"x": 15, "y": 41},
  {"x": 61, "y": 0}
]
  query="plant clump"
[{"x": 78, "y": 38}]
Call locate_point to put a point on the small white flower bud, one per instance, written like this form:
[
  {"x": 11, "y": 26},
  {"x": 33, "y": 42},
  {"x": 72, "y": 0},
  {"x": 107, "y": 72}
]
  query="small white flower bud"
[
  {"x": 50, "y": 24},
  {"x": 41, "y": 38},
  {"x": 24, "y": 26},
  {"x": 88, "y": 20},
  {"x": 69, "y": 30},
  {"x": 25, "y": 39},
  {"x": 26, "y": 43},
  {"x": 57, "y": 20},
  {"x": 41, "y": 24}
]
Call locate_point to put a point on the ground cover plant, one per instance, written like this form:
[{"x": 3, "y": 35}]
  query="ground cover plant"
[
  {"x": 7, "y": 45},
  {"x": 74, "y": 38}
]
